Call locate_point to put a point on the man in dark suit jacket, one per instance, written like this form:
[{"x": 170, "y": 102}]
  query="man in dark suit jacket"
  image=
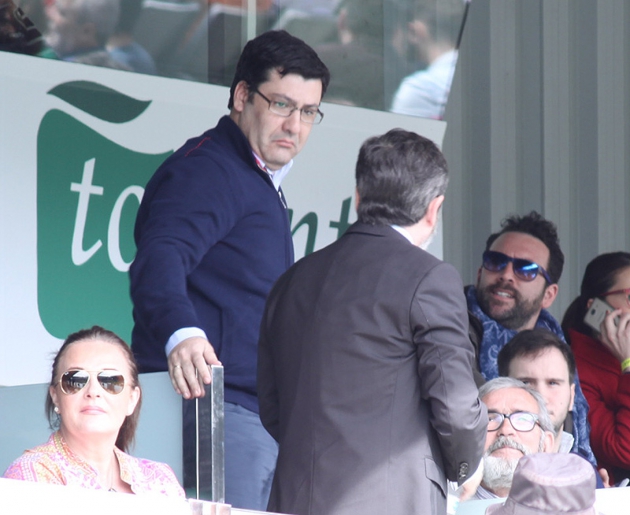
[{"x": 365, "y": 366}]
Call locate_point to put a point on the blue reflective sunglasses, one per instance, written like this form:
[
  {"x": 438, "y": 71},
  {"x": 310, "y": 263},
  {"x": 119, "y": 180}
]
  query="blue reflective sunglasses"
[{"x": 524, "y": 269}]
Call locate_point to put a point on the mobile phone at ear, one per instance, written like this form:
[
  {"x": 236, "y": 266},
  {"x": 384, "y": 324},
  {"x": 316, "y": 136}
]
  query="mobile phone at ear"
[{"x": 596, "y": 313}]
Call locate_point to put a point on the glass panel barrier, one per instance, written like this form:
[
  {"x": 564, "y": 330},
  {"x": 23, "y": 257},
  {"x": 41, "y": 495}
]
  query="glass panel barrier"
[{"x": 397, "y": 55}]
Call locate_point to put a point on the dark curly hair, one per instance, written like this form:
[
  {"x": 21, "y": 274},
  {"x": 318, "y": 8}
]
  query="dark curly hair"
[{"x": 535, "y": 225}]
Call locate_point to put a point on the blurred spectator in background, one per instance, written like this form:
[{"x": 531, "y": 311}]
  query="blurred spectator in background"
[
  {"x": 18, "y": 34},
  {"x": 433, "y": 34},
  {"x": 34, "y": 10},
  {"x": 79, "y": 29},
  {"x": 121, "y": 45},
  {"x": 358, "y": 61}
]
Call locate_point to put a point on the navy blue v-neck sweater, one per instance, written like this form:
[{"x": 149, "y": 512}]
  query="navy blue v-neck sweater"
[{"x": 212, "y": 236}]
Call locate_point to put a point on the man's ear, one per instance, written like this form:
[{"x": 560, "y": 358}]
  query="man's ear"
[
  {"x": 571, "y": 402},
  {"x": 433, "y": 211},
  {"x": 241, "y": 96},
  {"x": 548, "y": 442},
  {"x": 551, "y": 292},
  {"x": 357, "y": 199}
]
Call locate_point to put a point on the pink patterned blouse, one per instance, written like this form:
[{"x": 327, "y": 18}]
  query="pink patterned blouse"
[{"x": 55, "y": 463}]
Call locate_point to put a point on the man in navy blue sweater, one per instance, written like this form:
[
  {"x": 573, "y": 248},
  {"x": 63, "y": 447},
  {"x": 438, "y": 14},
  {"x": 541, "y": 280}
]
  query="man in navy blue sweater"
[{"x": 213, "y": 236}]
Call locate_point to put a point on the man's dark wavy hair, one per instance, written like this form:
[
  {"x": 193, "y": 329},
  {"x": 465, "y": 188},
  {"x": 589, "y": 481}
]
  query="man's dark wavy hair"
[
  {"x": 277, "y": 50},
  {"x": 537, "y": 226}
]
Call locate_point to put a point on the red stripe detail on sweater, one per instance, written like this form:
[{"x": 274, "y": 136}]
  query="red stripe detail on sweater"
[{"x": 198, "y": 145}]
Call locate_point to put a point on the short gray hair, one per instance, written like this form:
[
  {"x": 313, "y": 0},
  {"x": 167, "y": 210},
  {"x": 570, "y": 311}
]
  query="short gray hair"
[
  {"x": 502, "y": 383},
  {"x": 398, "y": 174}
]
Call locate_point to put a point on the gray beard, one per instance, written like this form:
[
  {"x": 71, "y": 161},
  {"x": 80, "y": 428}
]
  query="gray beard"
[{"x": 498, "y": 472}]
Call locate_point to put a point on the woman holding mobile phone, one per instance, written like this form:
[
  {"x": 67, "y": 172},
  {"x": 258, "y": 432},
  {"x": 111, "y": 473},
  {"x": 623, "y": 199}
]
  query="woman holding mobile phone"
[{"x": 602, "y": 357}]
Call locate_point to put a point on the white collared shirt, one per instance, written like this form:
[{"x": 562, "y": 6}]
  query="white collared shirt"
[
  {"x": 276, "y": 175},
  {"x": 404, "y": 232}
]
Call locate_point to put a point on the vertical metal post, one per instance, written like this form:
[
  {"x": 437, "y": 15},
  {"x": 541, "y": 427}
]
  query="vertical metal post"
[
  {"x": 217, "y": 434},
  {"x": 209, "y": 440}
]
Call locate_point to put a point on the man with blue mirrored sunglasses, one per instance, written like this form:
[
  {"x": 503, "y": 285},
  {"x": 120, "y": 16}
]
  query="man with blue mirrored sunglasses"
[{"x": 516, "y": 283}]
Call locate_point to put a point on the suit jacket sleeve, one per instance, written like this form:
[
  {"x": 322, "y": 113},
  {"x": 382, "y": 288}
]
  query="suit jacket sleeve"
[
  {"x": 268, "y": 401},
  {"x": 445, "y": 366}
]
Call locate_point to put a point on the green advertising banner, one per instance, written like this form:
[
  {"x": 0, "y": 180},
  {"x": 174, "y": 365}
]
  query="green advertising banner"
[{"x": 78, "y": 144}]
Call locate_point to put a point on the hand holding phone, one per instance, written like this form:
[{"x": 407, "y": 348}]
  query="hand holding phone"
[
  {"x": 613, "y": 333},
  {"x": 596, "y": 313}
]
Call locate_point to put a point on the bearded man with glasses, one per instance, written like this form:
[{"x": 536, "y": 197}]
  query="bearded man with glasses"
[
  {"x": 516, "y": 283},
  {"x": 518, "y": 425}
]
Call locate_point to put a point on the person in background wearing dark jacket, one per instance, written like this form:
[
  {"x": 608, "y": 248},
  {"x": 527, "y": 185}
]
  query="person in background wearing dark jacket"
[
  {"x": 213, "y": 236},
  {"x": 365, "y": 365}
]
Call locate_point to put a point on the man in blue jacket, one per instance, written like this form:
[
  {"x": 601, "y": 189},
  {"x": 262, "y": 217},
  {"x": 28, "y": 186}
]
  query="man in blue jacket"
[{"x": 213, "y": 236}]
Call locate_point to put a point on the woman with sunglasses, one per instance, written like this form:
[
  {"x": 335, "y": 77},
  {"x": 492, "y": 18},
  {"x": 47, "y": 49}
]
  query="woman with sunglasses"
[
  {"x": 603, "y": 359},
  {"x": 94, "y": 399}
]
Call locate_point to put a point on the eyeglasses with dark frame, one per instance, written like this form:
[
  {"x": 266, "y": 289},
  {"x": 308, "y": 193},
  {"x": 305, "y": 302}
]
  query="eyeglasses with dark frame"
[
  {"x": 72, "y": 381},
  {"x": 311, "y": 115},
  {"x": 625, "y": 291},
  {"x": 524, "y": 269},
  {"x": 522, "y": 421}
]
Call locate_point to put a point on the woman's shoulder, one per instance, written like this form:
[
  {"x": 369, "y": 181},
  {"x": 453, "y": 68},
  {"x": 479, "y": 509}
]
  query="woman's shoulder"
[
  {"x": 148, "y": 476},
  {"x": 40, "y": 464}
]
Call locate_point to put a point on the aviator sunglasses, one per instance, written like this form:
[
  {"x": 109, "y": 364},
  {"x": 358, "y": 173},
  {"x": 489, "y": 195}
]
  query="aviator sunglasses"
[
  {"x": 73, "y": 381},
  {"x": 523, "y": 269}
]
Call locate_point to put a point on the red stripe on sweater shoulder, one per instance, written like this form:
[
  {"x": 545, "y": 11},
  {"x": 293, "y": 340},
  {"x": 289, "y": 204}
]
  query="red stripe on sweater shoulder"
[{"x": 198, "y": 145}]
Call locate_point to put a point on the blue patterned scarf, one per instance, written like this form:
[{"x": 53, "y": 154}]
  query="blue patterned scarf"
[{"x": 495, "y": 337}]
